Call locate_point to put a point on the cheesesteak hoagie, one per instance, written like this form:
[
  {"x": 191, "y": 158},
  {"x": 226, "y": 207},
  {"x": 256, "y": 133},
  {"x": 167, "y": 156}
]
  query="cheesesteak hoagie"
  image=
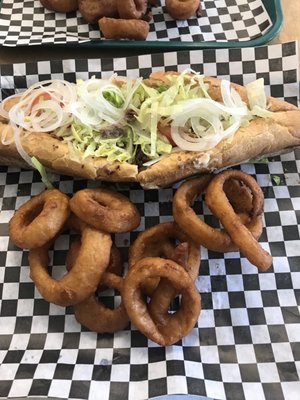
[{"x": 154, "y": 131}]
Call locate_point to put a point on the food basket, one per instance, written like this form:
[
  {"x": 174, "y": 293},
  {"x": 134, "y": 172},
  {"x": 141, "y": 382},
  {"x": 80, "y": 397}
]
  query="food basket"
[{"x": 224, "y": 23}]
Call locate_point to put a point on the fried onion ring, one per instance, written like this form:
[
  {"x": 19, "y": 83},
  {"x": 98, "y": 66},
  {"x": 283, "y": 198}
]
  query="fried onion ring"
[
  {"x": 63, "y": 6},
  {"x": 132, "y": 9},
  {"x": 40, "y": 219},
  {"x": 219, "y": 204},
  {"x": 92, "y": 10},
  {"x": 95, "y": 316},
  {"x": 202, "y": 233},
  {"x": 165, "y": 293},
  {"x": 118, "y": 28},
  {"x": 184, "y": 318},
  {"x": 91, "y": 313},
  {"x": 182, "y": 9},
  {"x": 115, "y": 265},
  {"x": 156, "y": 241},
  {"x": 105, "y": 210},
  {"x": 82, "y": 280}
]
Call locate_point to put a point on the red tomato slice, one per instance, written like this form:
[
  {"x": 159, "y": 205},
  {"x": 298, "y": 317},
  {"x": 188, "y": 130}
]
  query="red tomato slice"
[{"x": 44, "y": 96}]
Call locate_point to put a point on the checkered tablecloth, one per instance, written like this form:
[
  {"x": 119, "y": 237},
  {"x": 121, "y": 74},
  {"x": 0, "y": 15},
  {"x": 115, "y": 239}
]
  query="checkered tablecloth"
[
  {"x": 246, "y": 342},
  {"x": 26, "y": 22}
]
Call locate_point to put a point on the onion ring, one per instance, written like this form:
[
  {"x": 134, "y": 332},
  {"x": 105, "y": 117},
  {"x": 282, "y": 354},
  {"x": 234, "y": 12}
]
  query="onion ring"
[
  {"x": 40, "y": 219},
  {"x": 219, "y": 204},
  {"x": 82, "y": 280},
  {"x": 132, "y": 9},
  {"x": 156, "y": 241},
  {"x": 92, "y": 10},
  {"x": 95, "y": 316},
  {"x": 91, "y": 313},
  {"x": 64, "y": 6},
  {"x": 182, "y": 9},
  {"x": 203, "y": 234},
  {"x": 184, "y": 319},
  {"x": 165, "y": 293},
  {"x": 119, "y": 28},
  {"x": 105, "y": 210},
  {"x": 115, "y": 265}
]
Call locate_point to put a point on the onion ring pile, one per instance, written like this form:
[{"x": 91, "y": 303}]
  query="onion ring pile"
[
  {"x": 124, "y": 19},
  {"x": 163, "y": 261}
]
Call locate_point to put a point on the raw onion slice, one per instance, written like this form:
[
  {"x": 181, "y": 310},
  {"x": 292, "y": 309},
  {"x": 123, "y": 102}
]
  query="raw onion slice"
[{"x": 44, "y": 106}]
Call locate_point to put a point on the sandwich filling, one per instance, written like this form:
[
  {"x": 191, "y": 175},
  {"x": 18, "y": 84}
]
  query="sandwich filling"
[{"x": 135, "y": 121}]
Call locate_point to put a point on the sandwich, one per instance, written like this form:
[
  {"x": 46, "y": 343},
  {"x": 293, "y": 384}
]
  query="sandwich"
[{"x": 153, "y": 131}]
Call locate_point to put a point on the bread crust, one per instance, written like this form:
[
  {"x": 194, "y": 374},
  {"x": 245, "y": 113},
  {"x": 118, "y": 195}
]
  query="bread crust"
[{"x": 261, "y": 137}]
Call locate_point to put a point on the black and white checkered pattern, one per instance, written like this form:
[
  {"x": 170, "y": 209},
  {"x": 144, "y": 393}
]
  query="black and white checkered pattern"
[
  {"x": 246, "y": 342},
  {"x": 26, "y": 22}
]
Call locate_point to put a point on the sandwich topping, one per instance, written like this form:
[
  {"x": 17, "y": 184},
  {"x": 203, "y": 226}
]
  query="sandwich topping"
[{"x": 135, "y": 121}]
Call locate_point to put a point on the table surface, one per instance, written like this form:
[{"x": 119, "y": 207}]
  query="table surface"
[{"x": 289, "y": 31}]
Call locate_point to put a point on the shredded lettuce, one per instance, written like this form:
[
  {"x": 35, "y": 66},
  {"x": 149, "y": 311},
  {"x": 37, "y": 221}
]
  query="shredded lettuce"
[
  {"x": 88, "y": 142},
  {"x": 41, "y": 169},
  {"x": 142, "y": 139},
  {"x": 262, "y": 160},
  {"x": 276, "y": 179},
  {"x": 114, "y": 98}
]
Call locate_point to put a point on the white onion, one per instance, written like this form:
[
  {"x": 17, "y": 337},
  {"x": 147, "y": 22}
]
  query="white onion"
[
  {"x": 226, "y": 93},
  {"x": 190, "y": 144},
  {"x": 85, "y": 114},
  {"x": 205, "y": 136},
  {"x": 91, "y": 92},
  {"x": 46, "y": 114}
]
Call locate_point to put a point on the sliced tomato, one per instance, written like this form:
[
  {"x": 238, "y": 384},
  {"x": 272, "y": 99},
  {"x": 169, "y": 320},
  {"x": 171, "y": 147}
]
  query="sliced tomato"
[
  {"x": 39, "y": 97},
  {"x": 165, "y": 130}
]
